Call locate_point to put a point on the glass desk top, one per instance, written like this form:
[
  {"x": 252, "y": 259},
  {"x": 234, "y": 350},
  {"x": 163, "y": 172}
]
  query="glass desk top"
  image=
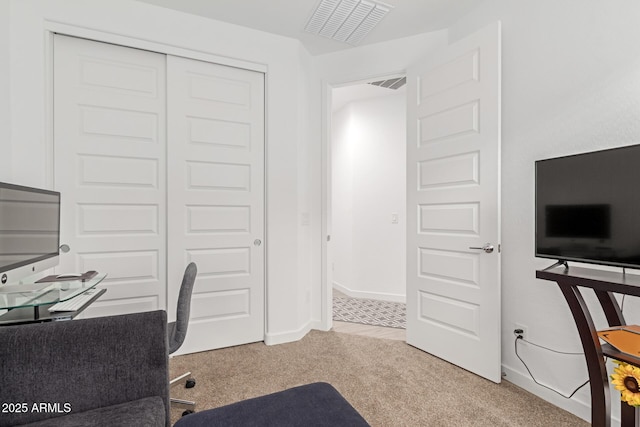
[{"x": 36, "y": 294}]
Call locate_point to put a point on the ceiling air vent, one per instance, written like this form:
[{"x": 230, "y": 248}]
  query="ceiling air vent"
[
  {"x": 346, "y": 21},
  {"x": 391, "y": 83}
]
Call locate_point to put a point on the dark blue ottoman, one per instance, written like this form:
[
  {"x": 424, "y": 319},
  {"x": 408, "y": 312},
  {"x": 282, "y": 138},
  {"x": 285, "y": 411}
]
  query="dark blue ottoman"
[{"x": 311, "y": 405}]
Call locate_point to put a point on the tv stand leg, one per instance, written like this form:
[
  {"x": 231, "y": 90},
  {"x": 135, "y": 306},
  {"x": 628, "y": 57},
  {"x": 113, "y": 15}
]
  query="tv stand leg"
[
  {"x": 628, "y": 415},
  {"x": 599, "y": 381},
  {"x": 558, "y": 263}
]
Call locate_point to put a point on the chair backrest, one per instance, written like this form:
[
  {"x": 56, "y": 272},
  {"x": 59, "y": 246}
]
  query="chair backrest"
[
  {"x": 178, "y": 330},
  {"x": 83, "y": 364}
]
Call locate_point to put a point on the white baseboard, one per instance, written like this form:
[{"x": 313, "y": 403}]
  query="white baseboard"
[
  {"x": 287, "y": 336},
  {"x": 578, "y": 408},
  {"x": 320, "y": 326},
  {"x": 381, "y": 296}
]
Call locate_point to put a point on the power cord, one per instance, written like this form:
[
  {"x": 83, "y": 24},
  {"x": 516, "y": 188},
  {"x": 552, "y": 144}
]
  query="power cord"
[{"x": 519, "y": 337}]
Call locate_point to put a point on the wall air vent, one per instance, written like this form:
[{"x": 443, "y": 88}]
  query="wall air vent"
[
  {"x": 391, "y": 83},
  {"x": 347, "y": 21}
]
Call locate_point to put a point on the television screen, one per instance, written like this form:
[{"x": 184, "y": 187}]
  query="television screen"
[
  {"x": 588, "y": 207},
  {"x": 574, "y": 221},
  {"x": 29, "y": 225}
]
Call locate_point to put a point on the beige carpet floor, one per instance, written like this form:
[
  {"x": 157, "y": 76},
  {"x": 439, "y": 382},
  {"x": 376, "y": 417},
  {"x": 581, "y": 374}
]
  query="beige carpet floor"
[{"x": 389, "y": 382}]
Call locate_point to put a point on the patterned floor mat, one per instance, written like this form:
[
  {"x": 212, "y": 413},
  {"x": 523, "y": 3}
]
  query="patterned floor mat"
[{"x": 370, "y": 312}]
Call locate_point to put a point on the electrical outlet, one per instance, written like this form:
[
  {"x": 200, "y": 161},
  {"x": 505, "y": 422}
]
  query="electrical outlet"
[{"x": 524, "y": 333}]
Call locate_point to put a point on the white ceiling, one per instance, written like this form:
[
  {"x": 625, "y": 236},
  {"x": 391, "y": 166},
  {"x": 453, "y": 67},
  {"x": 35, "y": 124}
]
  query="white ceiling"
[{"x": 289, "y": 17}]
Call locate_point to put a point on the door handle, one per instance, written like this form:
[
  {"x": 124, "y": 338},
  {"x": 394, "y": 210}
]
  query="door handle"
[{"x": 488, "y": 248}]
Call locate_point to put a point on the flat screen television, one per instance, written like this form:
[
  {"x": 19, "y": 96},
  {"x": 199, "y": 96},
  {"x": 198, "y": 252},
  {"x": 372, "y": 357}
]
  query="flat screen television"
[
  {"x": 587, "y": 207},
  {"x": 29, "y": 231}
]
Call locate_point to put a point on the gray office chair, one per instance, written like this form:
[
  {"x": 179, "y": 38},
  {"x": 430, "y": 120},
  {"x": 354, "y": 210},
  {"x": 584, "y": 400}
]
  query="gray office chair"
[{"x": 177, "y": 331}]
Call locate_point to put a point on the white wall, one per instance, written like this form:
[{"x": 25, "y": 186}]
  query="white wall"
[
  {"x": 368, "y": 186},
  {"x": 571, "y": 83},
  {"x": 308, "y": 217},
  {"x": 5, "y": 91},
  {"x": 342, "y": 156},
  {"x": 368, "y": 62},
  {"x": 288, "y": 70}
]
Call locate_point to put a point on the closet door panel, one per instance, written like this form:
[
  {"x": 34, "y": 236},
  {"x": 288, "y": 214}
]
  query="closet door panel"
[
  {"x": 216, "y": 199},
  {"x": 110, "y": 166}
]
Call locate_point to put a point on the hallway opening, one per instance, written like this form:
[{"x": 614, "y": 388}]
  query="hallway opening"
[{"x": 368, "y": 202}]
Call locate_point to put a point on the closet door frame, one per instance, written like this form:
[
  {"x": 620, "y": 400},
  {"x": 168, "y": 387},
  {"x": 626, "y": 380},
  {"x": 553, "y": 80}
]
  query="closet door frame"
[{"x": 51, "y": 28}]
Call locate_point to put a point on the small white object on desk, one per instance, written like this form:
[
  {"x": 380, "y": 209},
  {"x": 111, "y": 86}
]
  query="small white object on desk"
[{"x": 69, "y": 275}]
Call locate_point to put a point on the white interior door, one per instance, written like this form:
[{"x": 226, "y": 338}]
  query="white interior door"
[
  {"x": 216, "y": 199},
  {"x": 109, "y": 165},
  {"x": 453, "y": 203}
]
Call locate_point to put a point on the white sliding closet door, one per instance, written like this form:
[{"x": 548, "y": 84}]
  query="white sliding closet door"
[
  {"x": 110, "y": 166},
  {"x": 216, "y": 199},
  {"x": 140, "y": 206}
]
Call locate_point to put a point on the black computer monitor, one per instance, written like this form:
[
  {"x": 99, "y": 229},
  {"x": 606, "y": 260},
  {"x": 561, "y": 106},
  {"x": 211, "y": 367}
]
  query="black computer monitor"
[{"x": 29, "y": 231}]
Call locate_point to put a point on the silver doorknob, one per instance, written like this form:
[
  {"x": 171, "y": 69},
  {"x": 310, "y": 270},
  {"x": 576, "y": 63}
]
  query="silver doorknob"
[
  {"x": 488, "y": 248},
  {"x": 257, "y": 242}
]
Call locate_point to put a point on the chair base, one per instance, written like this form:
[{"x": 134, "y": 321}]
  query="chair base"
[
  {"x": 181, "y": 403},
  {"x": 181, "y": 377}
]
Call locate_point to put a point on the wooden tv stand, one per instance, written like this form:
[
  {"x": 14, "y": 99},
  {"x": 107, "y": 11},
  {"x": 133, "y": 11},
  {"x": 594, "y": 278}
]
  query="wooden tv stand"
[{"x": 604, "y": 284}]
